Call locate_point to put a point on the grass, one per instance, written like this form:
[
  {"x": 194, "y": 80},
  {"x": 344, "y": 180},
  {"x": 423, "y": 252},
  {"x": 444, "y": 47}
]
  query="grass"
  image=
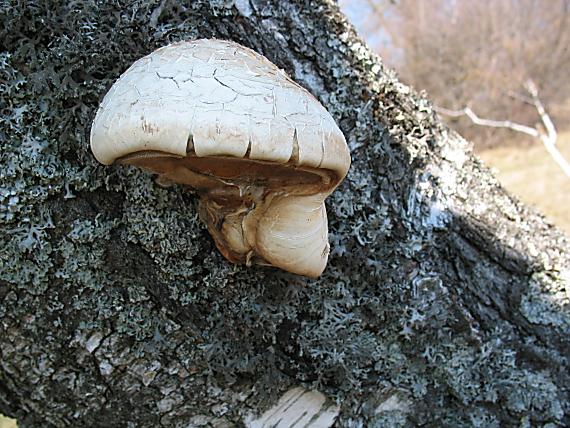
[{"x": 529, "y": 173}]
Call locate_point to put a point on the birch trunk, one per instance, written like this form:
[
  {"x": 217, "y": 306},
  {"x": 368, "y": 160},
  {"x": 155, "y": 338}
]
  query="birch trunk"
[{"x": 445, "y": 301}]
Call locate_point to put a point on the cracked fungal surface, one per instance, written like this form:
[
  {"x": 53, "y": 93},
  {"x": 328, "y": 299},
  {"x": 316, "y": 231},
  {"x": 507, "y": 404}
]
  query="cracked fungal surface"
[{"x": 262, "y": 152}]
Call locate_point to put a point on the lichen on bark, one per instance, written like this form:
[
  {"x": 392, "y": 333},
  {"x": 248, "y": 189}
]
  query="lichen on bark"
[{"x": 445, "y": 300}]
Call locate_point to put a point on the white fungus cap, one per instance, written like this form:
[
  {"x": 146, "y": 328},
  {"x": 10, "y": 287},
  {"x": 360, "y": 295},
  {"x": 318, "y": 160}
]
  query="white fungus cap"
[{"x": 226, "y": 99}]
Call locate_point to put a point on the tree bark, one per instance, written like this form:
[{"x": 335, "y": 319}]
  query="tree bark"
[{"x": 445, "y": 301}]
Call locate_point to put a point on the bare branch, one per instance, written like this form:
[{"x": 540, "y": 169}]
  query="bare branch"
[
  {"x": 548, "y": 139},
  {"x": 548, "y": 124},
  {"x": 533, "y": 132}
]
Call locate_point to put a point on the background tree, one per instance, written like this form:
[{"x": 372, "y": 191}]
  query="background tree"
[
  {"x": 445, "y": 301},
  {"x": 477, "y": 54}
]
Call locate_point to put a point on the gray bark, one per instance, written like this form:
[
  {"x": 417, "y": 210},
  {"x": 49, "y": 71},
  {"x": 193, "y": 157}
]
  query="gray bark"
[{"x": 445, "y": 302}]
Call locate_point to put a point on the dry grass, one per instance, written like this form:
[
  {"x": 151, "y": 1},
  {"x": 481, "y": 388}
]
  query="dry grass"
[
  {"x": 530, "y": 173},
  {"x": 7, "y": 422}
]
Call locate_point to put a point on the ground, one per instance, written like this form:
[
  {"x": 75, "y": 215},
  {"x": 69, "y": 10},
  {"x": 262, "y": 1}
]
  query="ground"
[{"x": 531, "y": 175}]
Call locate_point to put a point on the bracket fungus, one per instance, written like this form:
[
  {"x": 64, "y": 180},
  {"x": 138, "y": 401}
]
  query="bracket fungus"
[{"x": 260, "y": 150}]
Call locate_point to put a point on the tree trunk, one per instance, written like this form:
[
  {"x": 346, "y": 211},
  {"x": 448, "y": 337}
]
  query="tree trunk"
[{"x": 445, "y": 301}]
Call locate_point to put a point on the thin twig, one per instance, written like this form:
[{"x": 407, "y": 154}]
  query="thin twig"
[{"x": 521, "y": 97}]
